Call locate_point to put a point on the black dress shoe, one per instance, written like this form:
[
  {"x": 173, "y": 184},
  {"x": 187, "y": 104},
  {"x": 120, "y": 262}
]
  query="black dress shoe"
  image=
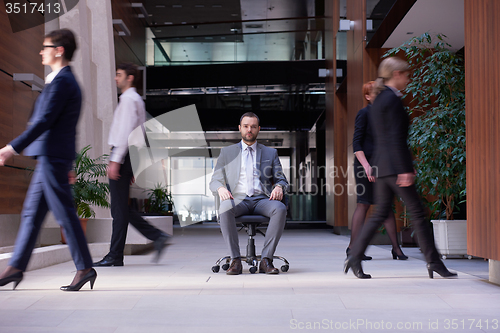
[
  {"x": 355, "y": 266},
  {"x": 365, "y": 257},
  {"x": 397, "y": 256},
  {"x": 160, "y": 244},
  {"x": 89, "y": 277},
  {"x": 108, "y": 261},
  {"x": 16, "y": 278},
  {"x": 441, "y": 269}
]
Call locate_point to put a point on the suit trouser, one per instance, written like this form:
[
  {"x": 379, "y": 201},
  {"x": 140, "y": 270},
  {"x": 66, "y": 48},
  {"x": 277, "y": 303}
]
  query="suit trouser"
[
  {"x": 258, "y": 205},
  {"x": 385, "y": 188},
  {"x": 50, "y": 190},
  {"x": 123, "y": 213}
]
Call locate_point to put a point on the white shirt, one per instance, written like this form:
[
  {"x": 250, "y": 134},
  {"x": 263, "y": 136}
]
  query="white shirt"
[
  {"x": 52, "y": 75},
  {"x": 129, "y": 114},
  {"x": 241, "y": 187}
]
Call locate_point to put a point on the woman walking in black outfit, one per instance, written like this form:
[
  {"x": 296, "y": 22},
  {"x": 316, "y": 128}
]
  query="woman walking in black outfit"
[
  {"x": 363, "y": 147},
  {"x": 395, "y": 174}
]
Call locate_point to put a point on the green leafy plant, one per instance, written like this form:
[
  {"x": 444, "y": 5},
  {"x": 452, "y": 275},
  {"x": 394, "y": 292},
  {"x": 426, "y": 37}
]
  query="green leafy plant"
[
  {"x": 159, "y": 200},
  {"x": 437, "y": 134},
  {"x": 88, "y": 190}
]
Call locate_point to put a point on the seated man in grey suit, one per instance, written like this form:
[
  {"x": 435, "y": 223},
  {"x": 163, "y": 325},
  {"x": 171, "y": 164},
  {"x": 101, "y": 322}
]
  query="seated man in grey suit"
[{"x": 249, "y": 179}]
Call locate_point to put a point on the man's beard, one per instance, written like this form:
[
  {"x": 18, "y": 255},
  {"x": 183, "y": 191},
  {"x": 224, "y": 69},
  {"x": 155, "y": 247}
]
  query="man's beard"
[{"x": 246, "y": 138}]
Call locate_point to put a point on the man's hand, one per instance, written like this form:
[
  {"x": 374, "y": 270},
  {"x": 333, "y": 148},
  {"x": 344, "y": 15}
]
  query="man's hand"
[
  {"x": 5, "y": 154},
  {"x": 405, "y": 179},
  {"x": 224, "y": 194},
  {"x": 277, "y": 193},
  {"x": 114, "y": 170}
]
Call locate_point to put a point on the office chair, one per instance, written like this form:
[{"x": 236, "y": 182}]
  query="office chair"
[{"x": 249, "y": 223}]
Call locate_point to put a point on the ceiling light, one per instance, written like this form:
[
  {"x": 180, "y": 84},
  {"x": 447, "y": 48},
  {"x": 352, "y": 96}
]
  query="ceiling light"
[
  {"x": 176, "y": 6},
  {"x": 216, "y": 6},
  {"x": 160, "y": 6},
  {"x": 167, "y": 23},
  {"x": 234, "y": 14}
]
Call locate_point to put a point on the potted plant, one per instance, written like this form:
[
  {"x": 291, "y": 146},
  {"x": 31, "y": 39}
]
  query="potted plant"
[
  {"x": 437, "y": 134},
  {"x": 88, "y": 189},
  {"x": 159, "y": 200}
]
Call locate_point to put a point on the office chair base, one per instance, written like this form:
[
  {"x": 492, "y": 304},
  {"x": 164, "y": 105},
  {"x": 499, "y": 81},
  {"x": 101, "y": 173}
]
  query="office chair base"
[{"x": 252, "y": 261}]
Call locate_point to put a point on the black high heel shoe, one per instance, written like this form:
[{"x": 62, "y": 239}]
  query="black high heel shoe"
[
  {"x": 90, "y": 276},
  {"x": 397, "y": 256},
  {"x": 365, "y": 257},
  {"x": 441, "y": 269},
  {"x": 356, "y": 268},
  {"x": 16, "y": 278}
]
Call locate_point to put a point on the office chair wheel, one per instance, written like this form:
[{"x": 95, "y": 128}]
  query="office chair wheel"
[
  {"x": 253, "y": 269},
  {"x": 215, "y": 269},
  {"x": 225, "y": 267},
  {"x": 285, "y": 268}
]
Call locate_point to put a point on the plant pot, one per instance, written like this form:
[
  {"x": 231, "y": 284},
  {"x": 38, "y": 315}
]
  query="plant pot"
[
  {"x": 83, "y": 223},
  {"x": 451, "y": 237}
]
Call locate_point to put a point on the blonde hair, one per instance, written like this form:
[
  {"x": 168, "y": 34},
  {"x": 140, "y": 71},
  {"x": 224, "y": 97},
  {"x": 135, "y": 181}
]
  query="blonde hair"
[{"x": 385, "y": 70}]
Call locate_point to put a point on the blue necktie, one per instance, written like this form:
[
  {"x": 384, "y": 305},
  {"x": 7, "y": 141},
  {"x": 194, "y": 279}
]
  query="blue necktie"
[{"x": 249, "y": 171}]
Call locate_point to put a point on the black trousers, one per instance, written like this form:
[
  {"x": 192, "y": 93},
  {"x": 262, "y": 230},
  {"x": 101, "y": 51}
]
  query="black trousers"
[
  {"x": 385, "y": 189},
  {"x": 122, "y": 213}
]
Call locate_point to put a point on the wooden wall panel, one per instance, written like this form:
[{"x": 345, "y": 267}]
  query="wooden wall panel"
[
  {"x": 19, "y": 53},
  {"x": 482, "y": 87},
  {"x": 331, "y": 28},
  {"x": 129, "y": 48}
]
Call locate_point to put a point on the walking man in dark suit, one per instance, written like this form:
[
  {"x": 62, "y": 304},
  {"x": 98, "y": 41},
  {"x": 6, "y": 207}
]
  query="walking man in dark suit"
[
  {"x": 129, "y": 114},
  {"x": 50, "y": 138},
  {"x": 249, "y": 179}
]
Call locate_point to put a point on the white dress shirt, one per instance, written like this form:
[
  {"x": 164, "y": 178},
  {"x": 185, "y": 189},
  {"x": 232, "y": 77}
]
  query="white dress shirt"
[
  {"x": 52, "y": 75},
  {"x": 241, "y": 187},
  {"x": 129, "y": 114}
]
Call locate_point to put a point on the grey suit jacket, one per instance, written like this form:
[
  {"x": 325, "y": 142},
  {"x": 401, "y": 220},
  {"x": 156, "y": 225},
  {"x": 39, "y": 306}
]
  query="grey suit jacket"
[{"x": 227, "y": 169}]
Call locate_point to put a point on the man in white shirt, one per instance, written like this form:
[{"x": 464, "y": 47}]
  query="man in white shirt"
[{"x": 129, "y": 114}]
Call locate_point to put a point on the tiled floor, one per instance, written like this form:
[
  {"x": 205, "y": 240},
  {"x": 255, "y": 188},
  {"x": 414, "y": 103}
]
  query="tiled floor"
[{"x": 181, "y": 294}]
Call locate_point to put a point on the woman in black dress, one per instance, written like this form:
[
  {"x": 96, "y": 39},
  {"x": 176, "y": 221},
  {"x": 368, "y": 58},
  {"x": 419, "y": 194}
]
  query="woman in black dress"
[
  {"x": 363, "y": 147},
  {"x": 395, "y": 173}
]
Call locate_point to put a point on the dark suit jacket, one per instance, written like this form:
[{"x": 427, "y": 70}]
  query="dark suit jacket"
[
  {"x": 227, "y": 170},
  {"x": 363, "y": 134},
  {"x": 52, "y": 127},
  {"x": 390, "y": 123}
]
